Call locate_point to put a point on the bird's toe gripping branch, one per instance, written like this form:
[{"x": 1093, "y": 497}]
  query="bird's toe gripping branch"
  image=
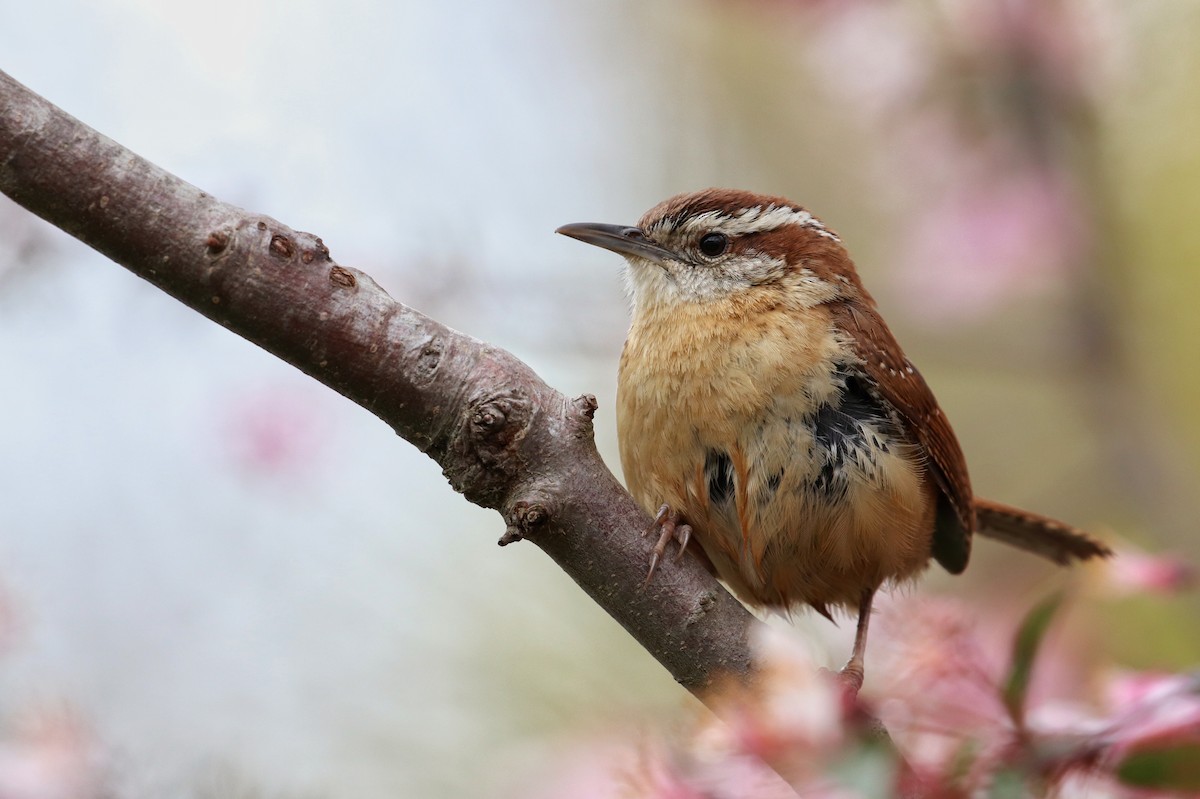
[{"x": 670, "y": 527}]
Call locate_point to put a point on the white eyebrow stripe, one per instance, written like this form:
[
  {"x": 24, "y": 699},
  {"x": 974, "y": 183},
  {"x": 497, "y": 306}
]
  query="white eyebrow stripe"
[{"x": 758, "y": 219}]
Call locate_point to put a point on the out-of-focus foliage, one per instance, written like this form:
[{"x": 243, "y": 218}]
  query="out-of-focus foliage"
[
  {"x": 1025, "y": 648},
  {"x": 958, "y": 728}
]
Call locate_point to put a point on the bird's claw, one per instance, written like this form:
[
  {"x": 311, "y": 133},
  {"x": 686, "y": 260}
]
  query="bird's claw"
[{"x": 667, "y": 523}]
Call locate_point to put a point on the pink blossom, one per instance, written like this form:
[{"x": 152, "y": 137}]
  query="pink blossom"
[
  {"x": 941, "y": 693},
  {"x": 790, "y": 722},
  {"x": 274, "y": 429},
  {"x": 938, "y": 690},
  {"x": 1057, "y": 41},
  {"x": 941, "y": 699},
  {"x": 793, "y": 705},
  {"x": 988, "y": 238},
  {"x": 977, "y": 100},
  {"x": 1153, "y": 709},
  {"x": 49, "y": 757},
  {"x": 656, "y": 768},
  {"x": 892, "y": 65},
  {"x": 1135, "y": 572}
]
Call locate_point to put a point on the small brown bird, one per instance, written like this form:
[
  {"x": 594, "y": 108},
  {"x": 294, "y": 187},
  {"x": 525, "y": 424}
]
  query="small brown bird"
[{"x": 764, "y": 407}]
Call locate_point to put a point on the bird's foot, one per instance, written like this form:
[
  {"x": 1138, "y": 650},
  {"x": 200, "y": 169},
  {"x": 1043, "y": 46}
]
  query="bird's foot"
[
  {"x": 851, "y": 678},
  {"x": 845, "y": 684},
  {"x": 670, "y": 527}
]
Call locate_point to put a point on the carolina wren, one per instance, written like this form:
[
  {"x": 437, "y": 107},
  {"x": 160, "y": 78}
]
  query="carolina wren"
[{"x": 764, "y": 407}]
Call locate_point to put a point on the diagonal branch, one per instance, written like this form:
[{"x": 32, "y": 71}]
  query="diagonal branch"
[{"x": 504, "y": 438}]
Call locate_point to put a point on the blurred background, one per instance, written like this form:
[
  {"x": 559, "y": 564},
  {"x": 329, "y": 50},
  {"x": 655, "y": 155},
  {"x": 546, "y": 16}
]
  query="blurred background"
[{"x": 218, "y": 578}]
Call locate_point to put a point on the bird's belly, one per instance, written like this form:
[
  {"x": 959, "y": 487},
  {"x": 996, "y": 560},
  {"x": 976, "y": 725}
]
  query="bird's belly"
[
  {"x": 811, "y": 509},
  {"x": 846, "y": 522}
]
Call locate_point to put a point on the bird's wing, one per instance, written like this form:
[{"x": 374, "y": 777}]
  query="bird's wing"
[{"x": 903, "y": 388}]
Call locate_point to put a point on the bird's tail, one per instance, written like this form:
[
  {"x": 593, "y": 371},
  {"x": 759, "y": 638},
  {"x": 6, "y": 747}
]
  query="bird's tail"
[{"x": 1051, "y": 539}]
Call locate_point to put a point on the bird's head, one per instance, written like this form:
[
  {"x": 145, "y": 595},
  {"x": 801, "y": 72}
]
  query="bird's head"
[{"x": 722, "y": 244}]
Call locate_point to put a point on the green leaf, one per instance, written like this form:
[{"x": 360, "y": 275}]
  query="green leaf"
[
  {"x": 1172, "y": 768},
  {"x": 1008, "y": 784},
  {"x": 963, "y": 760},
  {"x": 1025, "y": 649},
  {"x": 869, "y": 771}
]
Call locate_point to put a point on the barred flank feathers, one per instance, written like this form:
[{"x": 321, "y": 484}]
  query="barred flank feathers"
[{"x": 1051, "y": 539}]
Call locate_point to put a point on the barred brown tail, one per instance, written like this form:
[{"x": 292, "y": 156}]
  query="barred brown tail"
[{"x": 1051, "y": 539}]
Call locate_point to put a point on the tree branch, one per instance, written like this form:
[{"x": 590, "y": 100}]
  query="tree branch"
[{"x": 504, "y": 438}]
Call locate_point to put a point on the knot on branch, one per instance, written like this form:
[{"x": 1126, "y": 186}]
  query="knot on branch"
[
  {"x": 488, "y": 438},
  {"x": 705, "y": 604},
  {"x": 497, "y": 424},
  {"x": 525, "y": 518},
  {"x": 217, "y": 241},
  {"x": 282, "y": 242},
  {"x": 425, "y": 365},
  {"x": 338, "y": 276},
  {"x": 282, "y": 246}
]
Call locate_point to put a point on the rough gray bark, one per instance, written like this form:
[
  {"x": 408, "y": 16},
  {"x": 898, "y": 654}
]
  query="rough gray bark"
[{"x": 504, "y": 438}]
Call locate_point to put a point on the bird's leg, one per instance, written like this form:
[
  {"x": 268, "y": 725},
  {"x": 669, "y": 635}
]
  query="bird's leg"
[
  {"x": 667, "y": 523},
  {"x": 852, "y": 672}
]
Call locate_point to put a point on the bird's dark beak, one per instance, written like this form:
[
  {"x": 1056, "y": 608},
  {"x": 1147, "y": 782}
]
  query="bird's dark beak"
[{"x": 618, "y": 238}]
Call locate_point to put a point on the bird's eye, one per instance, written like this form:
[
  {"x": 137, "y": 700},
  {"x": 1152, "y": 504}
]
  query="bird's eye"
[{"x": 714, "y": 244}]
